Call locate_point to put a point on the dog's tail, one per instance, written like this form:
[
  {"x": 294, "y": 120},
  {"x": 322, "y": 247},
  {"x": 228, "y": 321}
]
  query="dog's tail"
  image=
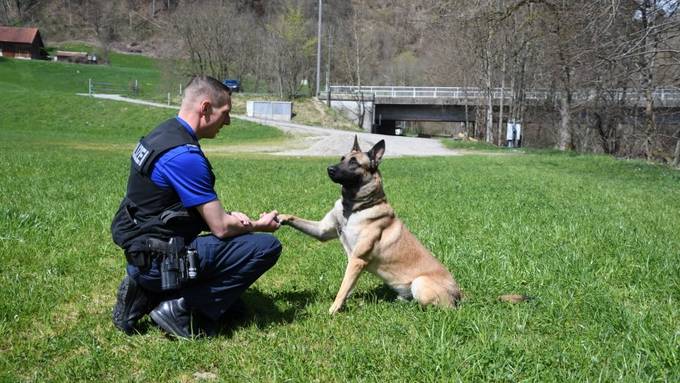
[{"x": 514, "y": 298}]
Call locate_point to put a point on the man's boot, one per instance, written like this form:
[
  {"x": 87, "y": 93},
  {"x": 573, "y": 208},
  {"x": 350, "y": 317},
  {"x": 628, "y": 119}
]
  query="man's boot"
[
  {"x": 176, "y": 319},
  {"x": 133, "y": 302}
]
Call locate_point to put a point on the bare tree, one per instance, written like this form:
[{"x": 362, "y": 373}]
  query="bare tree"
[
  {"x": 562, "y": 21},
  {"x": 292, "y": 50},
  {"x": 13, "y": 12},
  {"x": 213, "y": 34},
  {"x": 652, "y": 25},
  {"x": 632, "y": 50},
  {"x": 104, "y": 17}
]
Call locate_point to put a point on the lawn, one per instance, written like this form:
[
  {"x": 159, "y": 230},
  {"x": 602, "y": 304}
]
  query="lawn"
[
  {"x": 472, "y": 145},
  {"x": 594, "y": 240},
  {"x": 60, "y": 77}
]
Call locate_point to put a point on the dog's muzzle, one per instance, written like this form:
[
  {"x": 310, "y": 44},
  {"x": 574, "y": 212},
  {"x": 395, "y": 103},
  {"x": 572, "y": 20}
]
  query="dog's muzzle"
[{"x": 332, "y": 171}]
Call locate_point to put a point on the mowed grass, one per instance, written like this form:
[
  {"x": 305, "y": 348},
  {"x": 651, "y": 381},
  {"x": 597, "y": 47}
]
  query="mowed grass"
[
  {"x": 80, "y": 121},
  {"x": 61, "y": 77},
  {"x": 593, "y": 240},
  {"x": 472, "y": 145}
]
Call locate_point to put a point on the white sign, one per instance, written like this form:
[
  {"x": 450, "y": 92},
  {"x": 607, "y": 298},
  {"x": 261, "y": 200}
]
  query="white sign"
[
  {"x": 140, "y": 153},
  {"x": 513, "y": 127}
]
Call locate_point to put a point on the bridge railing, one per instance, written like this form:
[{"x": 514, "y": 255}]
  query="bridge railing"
[{"x": 665, "y": 96}]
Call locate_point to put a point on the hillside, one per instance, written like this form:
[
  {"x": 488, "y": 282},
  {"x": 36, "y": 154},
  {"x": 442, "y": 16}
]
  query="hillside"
[{"x": 126, "y": 70}]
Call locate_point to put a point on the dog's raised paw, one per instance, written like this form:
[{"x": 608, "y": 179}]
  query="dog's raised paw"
[{"x": 283, "y": 218}]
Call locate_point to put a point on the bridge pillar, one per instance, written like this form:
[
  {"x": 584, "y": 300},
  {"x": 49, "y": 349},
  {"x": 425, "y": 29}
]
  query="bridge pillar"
[{"x": 355, "y": 110}]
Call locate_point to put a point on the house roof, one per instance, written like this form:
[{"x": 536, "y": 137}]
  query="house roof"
[{"x": 20, "y": 35}]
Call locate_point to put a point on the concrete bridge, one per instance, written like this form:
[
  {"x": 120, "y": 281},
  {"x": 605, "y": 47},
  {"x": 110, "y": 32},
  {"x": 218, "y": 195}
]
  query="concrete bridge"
[{"x": 381, "y": 106}]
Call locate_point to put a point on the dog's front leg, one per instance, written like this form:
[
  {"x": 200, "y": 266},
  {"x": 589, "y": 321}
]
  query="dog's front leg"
[
  {"x": 356, "y": 264},
  {"x": 322, "y": 230},
  {"x": 354, "y": 268}
]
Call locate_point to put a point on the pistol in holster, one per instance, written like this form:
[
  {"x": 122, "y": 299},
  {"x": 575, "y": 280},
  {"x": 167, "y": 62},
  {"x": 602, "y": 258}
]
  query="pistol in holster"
[{"x": 178, "y": 263}]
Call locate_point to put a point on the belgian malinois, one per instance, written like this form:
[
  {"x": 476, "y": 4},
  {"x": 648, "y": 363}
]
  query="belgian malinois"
[{"x": 374, "y": 238}]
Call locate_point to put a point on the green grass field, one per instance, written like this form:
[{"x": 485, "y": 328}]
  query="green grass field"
[
  {"x": 594, "y": 240},
  {"x": 472, "y": 145}
]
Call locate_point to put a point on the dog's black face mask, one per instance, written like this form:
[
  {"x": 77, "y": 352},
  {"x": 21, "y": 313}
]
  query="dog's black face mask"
[
  {"x": 356, "y": 168},
  {"x": 347, "y": 172}
]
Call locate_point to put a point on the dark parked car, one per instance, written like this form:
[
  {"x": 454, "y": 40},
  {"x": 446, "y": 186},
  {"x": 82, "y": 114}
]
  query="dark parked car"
[{"x": 234, "y": 85}]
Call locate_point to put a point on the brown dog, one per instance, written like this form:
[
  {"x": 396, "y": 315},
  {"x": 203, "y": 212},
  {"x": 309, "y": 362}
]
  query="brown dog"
[{"x": 374, "y": 238}]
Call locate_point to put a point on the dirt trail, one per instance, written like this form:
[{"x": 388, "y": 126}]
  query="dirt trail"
[{"x": 318, "y": 141}]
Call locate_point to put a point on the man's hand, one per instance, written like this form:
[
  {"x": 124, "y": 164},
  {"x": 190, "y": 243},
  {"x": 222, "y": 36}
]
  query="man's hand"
[
  {"x": 228, "y": 224},
  {"x": 245, "y": 220},
  {"x": 268, "y": 222},
  {"x": 223, "y": 224}
]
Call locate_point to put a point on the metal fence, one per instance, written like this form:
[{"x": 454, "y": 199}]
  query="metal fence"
[
  {"x": 103, "y": 87},
  {"x": 665, "y": 96}
]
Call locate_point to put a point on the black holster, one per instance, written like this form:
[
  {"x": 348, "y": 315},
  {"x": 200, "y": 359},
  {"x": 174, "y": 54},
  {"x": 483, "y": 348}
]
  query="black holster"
[
  {"x": 140, "y": 254},
  {"x": 178, "y": 263}
]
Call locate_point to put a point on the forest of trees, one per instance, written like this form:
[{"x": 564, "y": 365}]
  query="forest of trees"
[{"x": 602, "y": 48}]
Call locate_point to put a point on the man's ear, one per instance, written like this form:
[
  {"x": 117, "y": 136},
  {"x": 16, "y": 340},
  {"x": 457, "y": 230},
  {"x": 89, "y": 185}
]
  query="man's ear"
[
  {"x": 204, "y": 108},
  {"x": 355, "y": 147},
  {"x": 376, "y": 153}
]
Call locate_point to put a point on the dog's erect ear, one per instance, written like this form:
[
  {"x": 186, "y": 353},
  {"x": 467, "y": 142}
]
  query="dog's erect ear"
[
  {"x": 355, "y": 147},
  {"x": 376, "y": 153}
]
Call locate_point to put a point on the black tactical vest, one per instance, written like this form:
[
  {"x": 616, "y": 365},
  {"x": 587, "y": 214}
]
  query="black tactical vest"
[{"x": 148, "y": 211}]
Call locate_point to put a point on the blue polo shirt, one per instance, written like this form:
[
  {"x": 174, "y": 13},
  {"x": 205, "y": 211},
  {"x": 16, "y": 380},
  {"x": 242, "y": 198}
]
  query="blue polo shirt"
[{"x": 184, "y": 169}]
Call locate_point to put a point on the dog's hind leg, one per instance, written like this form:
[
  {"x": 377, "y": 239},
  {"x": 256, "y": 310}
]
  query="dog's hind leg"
[{"x": 428, "y": 291}]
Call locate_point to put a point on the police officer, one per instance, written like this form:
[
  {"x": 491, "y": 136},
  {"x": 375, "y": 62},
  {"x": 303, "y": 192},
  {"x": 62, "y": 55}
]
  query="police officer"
[{"x": 170, "y": 193}]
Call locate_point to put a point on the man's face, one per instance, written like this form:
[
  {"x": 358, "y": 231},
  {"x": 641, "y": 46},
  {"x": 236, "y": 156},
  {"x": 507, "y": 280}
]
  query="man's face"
[{"x": 215, "y": 119}]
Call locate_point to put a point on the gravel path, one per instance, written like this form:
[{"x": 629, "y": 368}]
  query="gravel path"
[
  {"x": 317, "y": 141},
  {"x": 332, "y": 142}
]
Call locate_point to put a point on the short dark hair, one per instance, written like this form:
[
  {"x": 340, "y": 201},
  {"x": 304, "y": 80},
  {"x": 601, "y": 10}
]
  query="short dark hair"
[{"x": 201, "y": 85}]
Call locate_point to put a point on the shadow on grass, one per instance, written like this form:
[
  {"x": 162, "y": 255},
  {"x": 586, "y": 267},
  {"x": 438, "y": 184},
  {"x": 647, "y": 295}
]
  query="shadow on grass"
[
  {"x": 379, "y": 293},
  {"x": 262, "y": 310},
  {"x": 254, "y": 307}
]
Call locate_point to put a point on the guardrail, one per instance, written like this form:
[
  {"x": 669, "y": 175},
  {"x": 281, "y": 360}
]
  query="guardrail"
[{"x": 663, "y": 95}]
